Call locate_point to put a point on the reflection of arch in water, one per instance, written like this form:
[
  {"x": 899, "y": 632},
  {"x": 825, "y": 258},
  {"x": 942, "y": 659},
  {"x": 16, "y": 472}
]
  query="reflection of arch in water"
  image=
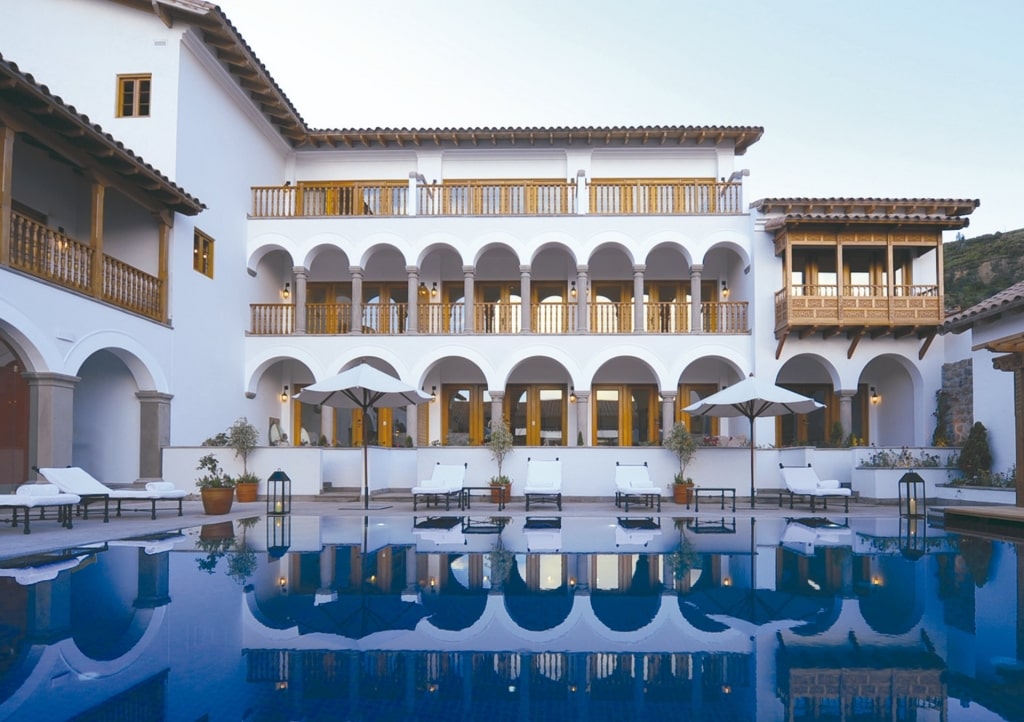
[
  {"x": 897, "y": 605},
  {"x": 535, "y": 611}
]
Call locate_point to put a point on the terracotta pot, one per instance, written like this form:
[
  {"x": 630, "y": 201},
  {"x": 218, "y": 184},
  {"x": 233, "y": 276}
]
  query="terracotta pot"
[
  {"x": 499, "y": 494},
  {"x": 220, "y": 530},
  {"x": 246, "y": 492},
  {"x": 681, "y": 494},
  {"x": 218, "y": 500}
]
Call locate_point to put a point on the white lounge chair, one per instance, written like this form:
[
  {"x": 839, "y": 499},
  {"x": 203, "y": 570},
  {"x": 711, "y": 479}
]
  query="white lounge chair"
[
  {"x": 633, "y": 483},
  {"x": 39, "y": 496},
  {"x": 543, "y": 534},
  {"x": 804, "y": 481},
  {"x": 441, "y": 530},
  {"x": 446, "y": 481},
  {"x": 543, "y": 482},
  {"x": 76, "y": 480},
  {"x": 640, "y": 532}
]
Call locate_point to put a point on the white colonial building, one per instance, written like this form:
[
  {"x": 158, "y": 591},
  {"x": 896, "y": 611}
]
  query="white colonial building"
[{"x": 584, "y": 283}]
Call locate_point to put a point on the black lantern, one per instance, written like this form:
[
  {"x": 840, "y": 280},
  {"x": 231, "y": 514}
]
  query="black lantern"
[
  {"x": 279, "y": 493},
  {"x": 279, "y": 536},
  {"x": 911, "y": 494},
  {"x": 913, "y": 537}
]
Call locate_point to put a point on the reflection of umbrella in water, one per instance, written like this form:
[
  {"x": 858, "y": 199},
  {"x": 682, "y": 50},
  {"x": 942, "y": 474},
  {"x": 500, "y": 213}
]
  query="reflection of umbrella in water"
[
  {"x": 753, "y": 398},
  {"x": 362, "y": 387},
  {"x": 358, "y": 615},
  {"x": 756, "y": 606}
]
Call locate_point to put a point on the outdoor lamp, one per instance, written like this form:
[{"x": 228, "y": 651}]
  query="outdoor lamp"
[
  {"x": 572, "y": 289},
  {"x": 279, "y": 493},
  {"x": 284, "y": 394},
  {"x": 433, "y": 394},
  {"x": 572, "y": 395},
  {"x": 287, "y": 291},
  {"x": 913, "y": 537},
  {"x": 433, "y": 289},
  {"x": 875, "y": 398},
  {"x": 725, "y": 289},
  {"x": 423, "y": 289},
  {"x": 279, "y": 536},
  {"x": 911, "y": 494}
]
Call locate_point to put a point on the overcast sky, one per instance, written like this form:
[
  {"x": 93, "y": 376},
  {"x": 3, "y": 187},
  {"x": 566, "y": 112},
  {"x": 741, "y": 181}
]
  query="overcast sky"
[{"x": 881, "y": 98}]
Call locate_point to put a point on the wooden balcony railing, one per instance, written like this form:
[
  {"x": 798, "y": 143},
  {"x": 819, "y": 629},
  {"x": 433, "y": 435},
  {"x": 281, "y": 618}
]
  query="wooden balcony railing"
[
  {"x": 500, "y": 318},
  {"x": 636, "y": 196},
  {"x": 56, "y": 257},
  {"x": 665, "y": 197},
  {"x": 859, "y": 305}
]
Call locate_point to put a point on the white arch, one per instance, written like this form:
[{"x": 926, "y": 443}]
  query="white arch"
[
  {"x": 631, "y": 351},
  {"x": 142, "y": 364},
  {"x": 258, "y": 364},
  {"x": 36, "y": 348}
]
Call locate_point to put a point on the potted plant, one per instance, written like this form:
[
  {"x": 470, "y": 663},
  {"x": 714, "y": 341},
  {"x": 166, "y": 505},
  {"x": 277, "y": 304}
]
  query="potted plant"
[
  {"x": 216, "y": 488},
  {"x": 243, "y": 438},
  {"x": 500, "y": 444},
  {"x": 681, "y": 443}
]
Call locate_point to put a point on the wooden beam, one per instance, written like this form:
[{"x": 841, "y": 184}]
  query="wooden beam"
[
  {"x": 853, "y": 344},
  {"x": 925, "y": 345},
  {"x": 782, "y": 342}
]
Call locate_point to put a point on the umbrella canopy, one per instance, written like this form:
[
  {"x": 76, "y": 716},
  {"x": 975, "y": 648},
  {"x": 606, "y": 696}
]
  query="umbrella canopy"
[
  {"x": 362, "y": 387},
  {"x": 753, "y": 398}
]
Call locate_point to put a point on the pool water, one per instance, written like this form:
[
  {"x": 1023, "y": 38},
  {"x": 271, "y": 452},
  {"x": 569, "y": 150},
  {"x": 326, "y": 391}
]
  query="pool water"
[{"x": 452, "y": 617}]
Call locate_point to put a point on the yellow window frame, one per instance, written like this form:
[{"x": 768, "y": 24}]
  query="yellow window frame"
[{"x": 134, "y": 95}]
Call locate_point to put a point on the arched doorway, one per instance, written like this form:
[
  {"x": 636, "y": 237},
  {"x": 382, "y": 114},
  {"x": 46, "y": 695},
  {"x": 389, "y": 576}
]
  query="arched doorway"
[{"x": 14, "y": 420}]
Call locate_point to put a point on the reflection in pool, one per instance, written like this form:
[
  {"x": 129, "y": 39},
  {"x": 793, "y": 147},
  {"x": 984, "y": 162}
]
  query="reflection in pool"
[{"x": 457, "y": 617}]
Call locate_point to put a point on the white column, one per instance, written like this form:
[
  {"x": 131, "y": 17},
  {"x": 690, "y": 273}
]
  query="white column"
[
  {"x": 411, "y": 206},
  {"x": 846, "y": 411},
  {"x": 638, "y": 297},
  {"x": 412, "y": 323},
  {"x": 497, "y": 397},
  {"x": 582, "y": 300},
  {"x": 695, "y": 272},
  {"x": 301, "y": 275},
  {"x": 583, "y": 415},
  {"x": 357, "y": 299},
  {"x": 524, "y": 294},
  {"x": 469, "y": 307},
  {"x": 668, "y": 414}
]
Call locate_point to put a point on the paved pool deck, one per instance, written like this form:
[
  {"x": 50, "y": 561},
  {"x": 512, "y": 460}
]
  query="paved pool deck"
[{"x": 48, "y": 536}]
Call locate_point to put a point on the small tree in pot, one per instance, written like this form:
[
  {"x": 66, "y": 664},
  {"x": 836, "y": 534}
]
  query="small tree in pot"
[
  {"x": 500, "y": 444},
  {"x": 681, "y": 443},
  {"x": 243, "y": 438},
  {"x": 216, "y": 488}
]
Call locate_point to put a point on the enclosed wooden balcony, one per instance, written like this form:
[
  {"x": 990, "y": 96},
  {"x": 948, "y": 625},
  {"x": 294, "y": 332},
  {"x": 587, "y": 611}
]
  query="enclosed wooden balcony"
[
  {"x": 54, "y": 256},
  {"x": 531, "y": 197},
  {"x": 603, "y": 317}
]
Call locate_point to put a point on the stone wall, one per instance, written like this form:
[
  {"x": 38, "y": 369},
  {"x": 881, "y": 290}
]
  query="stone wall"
[{"x": 958, "y": 383}]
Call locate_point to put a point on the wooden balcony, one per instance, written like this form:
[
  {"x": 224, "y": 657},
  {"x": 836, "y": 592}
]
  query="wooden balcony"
[
  {"x": 56, "y": 257},
  {"x": 637, "y": 196},
  {"x": 855, "y": 310},
  {"x": 272, "y": 319}
]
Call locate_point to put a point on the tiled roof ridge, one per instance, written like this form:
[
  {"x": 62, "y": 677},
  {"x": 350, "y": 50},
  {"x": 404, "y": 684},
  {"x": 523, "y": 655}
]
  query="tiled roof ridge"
[
  {"x": 83, "y": 121},
  {"x": 1009, "y": 299}
]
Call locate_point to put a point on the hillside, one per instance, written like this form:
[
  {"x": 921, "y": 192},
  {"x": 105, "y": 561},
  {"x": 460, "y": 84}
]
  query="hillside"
[{"x": 976, "y": 268}]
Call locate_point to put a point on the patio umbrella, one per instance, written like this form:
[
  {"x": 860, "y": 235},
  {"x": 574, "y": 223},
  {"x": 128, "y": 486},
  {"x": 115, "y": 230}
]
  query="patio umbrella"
[
  {"x": 753, "y": 398},
  {"x": 359, "y": 615},
  {"x": 362, "y": 387}
]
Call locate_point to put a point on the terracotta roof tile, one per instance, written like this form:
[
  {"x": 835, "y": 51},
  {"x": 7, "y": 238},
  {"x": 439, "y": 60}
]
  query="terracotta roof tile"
[{"x": 1009, "y": 299}]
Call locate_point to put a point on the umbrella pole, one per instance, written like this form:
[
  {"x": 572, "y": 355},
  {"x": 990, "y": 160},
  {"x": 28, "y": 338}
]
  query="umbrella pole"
[
  {"x": 366, "y": 473},
  {"x": 753, "y": 446}
]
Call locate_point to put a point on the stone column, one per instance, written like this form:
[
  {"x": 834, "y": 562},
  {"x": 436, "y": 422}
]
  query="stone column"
[
  {"x": 524, "y": 294},
  {"x": 638, "y": 297},
  {"x": 583, "y": 415},
  {"x": 301, "y": 275},
  {"x": 412, "y": 417},
  {"x": 51, "y": 404},
  {"x": 695, "y": 272},
  {"x": 1015, "y": 362},
  {"x": 497, "y": 405},
  {"x": 582, "y": 300},
  {"x": 412, "y": 323},
  {"x": 845, "y": 411},
  {"x": 357, "y": 299},
  {"x": 154, "y": 432},
  {"x": 327, "y": 570},
  {"x": 468, "y": 304},
  {"x": 668, "y": 413},
  {"x": 153, "y": 580}
]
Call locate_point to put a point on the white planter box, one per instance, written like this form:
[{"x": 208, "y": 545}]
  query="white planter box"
[
  {"x": 978, "y": 494},
  {"x": 883, "y": 484}
]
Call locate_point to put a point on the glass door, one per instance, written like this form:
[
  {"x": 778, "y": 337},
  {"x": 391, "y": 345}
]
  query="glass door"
[{"x": 537, "y": 414}]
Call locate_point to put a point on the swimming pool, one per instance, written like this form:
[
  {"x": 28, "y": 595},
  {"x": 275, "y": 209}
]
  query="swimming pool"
[{"x": 518, "y": 617}]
